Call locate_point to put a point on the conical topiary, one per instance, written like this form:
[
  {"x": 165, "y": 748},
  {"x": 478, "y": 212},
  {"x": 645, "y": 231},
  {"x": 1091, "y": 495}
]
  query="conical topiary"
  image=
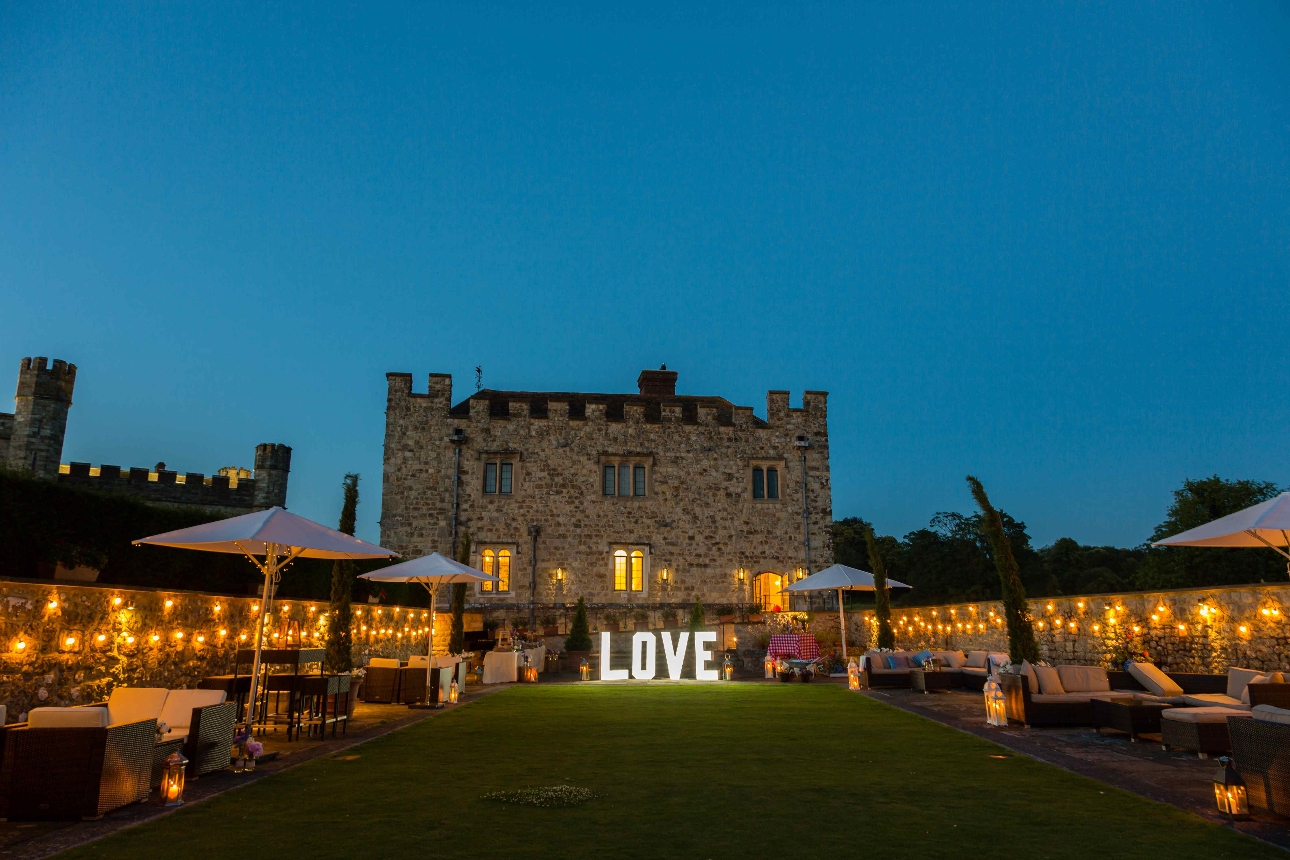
[{"x": 579, "y": 638}]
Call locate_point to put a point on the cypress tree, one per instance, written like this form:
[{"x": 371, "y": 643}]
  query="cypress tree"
[
  {"x": 1021, "y": 635},
  {"x": 457, "y": 643},
  {"x": 340, "y": 641},
  {"x": 696, "y": 615},
  {"x": 579, "y": 638},
  {"x": 881, "y": 594}
]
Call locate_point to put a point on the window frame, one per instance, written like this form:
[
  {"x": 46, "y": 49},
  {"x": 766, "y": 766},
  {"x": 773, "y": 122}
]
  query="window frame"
[
  {"x": 631, "y": 472},
  {"x": 635, "y": 569},
  {"x": 494, "y": 552},
  {"x": 765, "y": 467},
  {"x": 505, "y": 469}
]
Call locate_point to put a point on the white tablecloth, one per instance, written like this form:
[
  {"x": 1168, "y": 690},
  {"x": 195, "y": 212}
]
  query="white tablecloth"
[{"x": 502, "y": 667}]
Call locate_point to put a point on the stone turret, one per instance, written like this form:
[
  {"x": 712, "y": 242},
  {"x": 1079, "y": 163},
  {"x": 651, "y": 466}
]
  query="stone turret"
[
  {"x": 40, "y": 416},
  {"x": 272, "y": 463}
]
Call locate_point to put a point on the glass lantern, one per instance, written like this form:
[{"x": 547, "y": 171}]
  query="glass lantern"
[
  {"x": 1229, "y": 791},
  {"x": 172, "y": 781},
  {"x": 996, "y": 710},
  {"x": 727, "y": 669},
  {"x": 584, "y": 670},
  {"x": 769, "y": 665},
  {"x": 452, "y": 692},
  {"x": 853, "y": 675}
]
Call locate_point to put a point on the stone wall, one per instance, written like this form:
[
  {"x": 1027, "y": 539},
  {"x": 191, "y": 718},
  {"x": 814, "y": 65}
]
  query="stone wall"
[
  {"x": 66, "y": 644},
  {"x": 697, "y": 522},
  {"x": 1191, "y": 630}
]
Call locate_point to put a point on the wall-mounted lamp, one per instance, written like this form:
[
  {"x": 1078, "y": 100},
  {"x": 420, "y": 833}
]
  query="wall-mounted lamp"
[
  {"x": 665, "y": 574},
  {"x": 741, "y": 574},
  {"x": 559, "y": 574}
]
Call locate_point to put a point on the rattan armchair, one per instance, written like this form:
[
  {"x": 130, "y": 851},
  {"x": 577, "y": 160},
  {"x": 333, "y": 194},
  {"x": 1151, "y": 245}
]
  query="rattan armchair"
[{"x": 1261, "y": 751}]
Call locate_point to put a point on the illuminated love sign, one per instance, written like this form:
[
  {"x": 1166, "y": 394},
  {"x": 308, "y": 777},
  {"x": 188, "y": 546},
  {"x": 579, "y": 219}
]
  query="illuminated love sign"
[{"x": 644, "y": 659}]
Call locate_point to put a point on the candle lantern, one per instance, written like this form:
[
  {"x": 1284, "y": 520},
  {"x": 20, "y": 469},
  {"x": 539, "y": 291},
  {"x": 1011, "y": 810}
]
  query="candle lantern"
[
  {"x": 769, "y": 665},
  {"x": 452, "y": 692},
  {"x": 172, "y": 781},
  {"x": 584, "y": 670},
  {"x": 853, "y": 675},
  {"x": 1229, "y": 791},
  {"x": 996, "y": 710},
  {"x": 727, "y": 669},
  {"x": 529, "y": 672}
]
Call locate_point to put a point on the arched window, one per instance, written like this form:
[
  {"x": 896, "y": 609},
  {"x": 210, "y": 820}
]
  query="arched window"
[
  {"x": 486, "y": 559},
  {"x": 765, "y": 481},
  {"x": 504, "y": 570},
  {"x": 759, "y": 483},
  {"x": 620, "y": 570},
  {"x": 638, "y": 570}
]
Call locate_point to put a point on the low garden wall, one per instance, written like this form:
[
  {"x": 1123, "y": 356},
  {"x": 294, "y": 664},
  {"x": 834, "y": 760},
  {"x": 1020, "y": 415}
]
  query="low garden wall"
[
  {"x": 1191, "y": 630},
  {"x": 64, "y": 644}
]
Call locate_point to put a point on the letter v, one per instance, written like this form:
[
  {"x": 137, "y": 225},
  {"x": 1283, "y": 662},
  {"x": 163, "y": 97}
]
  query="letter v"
[{"x": 677, "y": 658}]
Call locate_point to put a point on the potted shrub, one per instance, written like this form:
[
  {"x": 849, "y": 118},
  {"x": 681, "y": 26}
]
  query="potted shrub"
[
  {"x": 490, "y": 627},
  {"x": 754, "y": 614},
  {"x": 577, "y": 645},
  {"x": 549, "y": 627},
  {"x": 641, "y": 617},
  {"x": 726, "y": 614},
  {"x": 611, "y": 619},
  {"x": 669, "y": 619}
]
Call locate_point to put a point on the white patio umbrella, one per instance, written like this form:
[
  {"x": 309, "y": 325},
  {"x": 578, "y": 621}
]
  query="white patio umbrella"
[
  {"x": 431, "y": 571},
  {"x": 841, "y": 578},
  {"x": 277, "y": 538},
  {"x": 1265, "y": 524}
]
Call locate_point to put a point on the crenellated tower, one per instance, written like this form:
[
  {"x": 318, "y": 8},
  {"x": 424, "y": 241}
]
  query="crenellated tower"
[
  {"x": 272, "y": 465},
  {"x": 40, "y": 416}
]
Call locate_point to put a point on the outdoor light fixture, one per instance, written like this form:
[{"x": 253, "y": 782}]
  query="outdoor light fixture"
[
  {"x": 172, "y": 782},
  {"x": 452, "y": 692},
  {"x": 853, "y": 675},
  {"x": 727, "y": 669},
  {"x": 741, "y": 574},
  {"x": 1229, "y": 791},
  {"x": 664, "y": 574},
  {"x": 769, "y": 665},
  {"x": 528, "y": 672},
  {"x": 996, "y": 711},
  {"x": 559, "y": 574},
  {"x": 584, "y": 670}
]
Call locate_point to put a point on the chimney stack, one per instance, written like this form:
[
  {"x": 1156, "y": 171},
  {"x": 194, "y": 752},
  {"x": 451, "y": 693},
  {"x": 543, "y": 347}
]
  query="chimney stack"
[{"x": 657, "y": 383}]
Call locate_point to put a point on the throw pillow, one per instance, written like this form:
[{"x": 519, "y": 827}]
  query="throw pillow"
[
  {"x": 1050, "y": 683},
  {"x": 1257, "y": 679},
  {"x": 917, "y": 659},
  {"x": 1237, "y": 679},
  {"x": 895, "y": 661},
  {"x": 1031, "y": 678},
  {"x": 976, "y": 659}
]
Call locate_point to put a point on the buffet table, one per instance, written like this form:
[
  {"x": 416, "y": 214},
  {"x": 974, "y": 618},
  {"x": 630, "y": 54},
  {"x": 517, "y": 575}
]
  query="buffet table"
[{"x": 503, "y": 667}]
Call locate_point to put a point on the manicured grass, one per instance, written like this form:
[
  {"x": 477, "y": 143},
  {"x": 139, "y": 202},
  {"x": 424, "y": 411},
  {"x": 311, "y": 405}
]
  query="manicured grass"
[{"x": 712, "y": 771}]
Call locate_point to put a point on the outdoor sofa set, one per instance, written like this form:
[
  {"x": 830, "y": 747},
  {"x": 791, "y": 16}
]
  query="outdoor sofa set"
[
  {"x": 967, "y": 671},
  {"x": 84, "y": 761},
  {"x": 388, "y": 681}
]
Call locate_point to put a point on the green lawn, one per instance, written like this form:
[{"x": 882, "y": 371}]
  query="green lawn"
[{"x": 712, "y": 771}]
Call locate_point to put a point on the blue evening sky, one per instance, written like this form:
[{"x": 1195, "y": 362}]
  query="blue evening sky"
[{"x": 1046, "y": 244}]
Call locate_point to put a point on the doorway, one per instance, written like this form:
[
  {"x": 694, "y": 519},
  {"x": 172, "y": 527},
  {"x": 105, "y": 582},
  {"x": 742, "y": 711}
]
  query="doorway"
[{"x": 768, "y": 591}]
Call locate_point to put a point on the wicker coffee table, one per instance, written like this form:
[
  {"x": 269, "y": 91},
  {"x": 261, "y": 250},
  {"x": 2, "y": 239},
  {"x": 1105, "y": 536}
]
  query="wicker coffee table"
[
  {"x": 1126, "y": 715},
  {"x": 926, "y": 682}
]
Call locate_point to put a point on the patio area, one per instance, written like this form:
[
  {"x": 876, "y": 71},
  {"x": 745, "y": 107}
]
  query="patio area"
[{"x": 686, "y": 769}]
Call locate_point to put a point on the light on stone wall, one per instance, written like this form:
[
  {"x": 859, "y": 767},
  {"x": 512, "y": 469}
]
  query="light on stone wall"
[
  {"x": 53, "y": 604},
  {"x": 116, "y": 601},
  {"x": 129, "y": 640},
  {"x": 1244, "y": 629},
  {"x": 156, "y": 638},
  {"x": 169, "y": 603},
  {"x": 1182, "y": 628},
  {"x": 201, "y": 638},
  {"x": 20, "y": 645},
  {"x": 1097, "y": 627},
  {"x": 102, "y": 638},
  {"x": 223, "y": 632},
  {"x": 217, "y": 607}
]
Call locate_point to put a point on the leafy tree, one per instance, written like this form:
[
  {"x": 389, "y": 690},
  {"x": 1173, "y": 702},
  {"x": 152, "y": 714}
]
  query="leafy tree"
[
  {"x": 1021, "y": 635},
  {"x": 579, "y": 638},
  {"x": 340, "y": 641},
  {"x": 881, "y": 596},
  {"x": 1200, "y": 501},
  {"x": 457, "y": 642},
  {"x": 696, "y": 615}
]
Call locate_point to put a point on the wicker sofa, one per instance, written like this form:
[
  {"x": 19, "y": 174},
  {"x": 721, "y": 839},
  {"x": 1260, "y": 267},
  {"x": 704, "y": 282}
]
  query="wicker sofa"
[
  {"x": 1261, "y": 752},
  {"x": 968, "y": 671}
]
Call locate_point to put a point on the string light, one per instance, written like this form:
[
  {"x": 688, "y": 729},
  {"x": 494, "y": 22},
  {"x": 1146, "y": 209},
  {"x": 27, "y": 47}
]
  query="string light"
[
  {"x": 53, "y": 604},
  {"x": 169, "y": 603},
  {"x": 116, "y": 601},
  {"x": 129, "y": 640},
  {"x": 102, "y": 638}
]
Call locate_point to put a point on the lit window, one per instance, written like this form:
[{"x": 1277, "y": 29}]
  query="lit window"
[
  {"x": 609, "y": 480},
  {"x": 629, "y": 570},
  {"x": 496, "y": 563},
  {"x": 620, "y": 570},
  {"x": 638, "y": 570}
]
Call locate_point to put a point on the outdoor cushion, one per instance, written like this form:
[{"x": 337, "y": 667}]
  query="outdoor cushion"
[
  {"x": 976, "y": 660},
  {"x": 1213, "y": 700},
  {"x": 1238, "y": 679},
  {"x": 1084, "y": 679},
  {"x": 178, "y": 711},
  {"x": 916, "y": 661},
  {"x": 418, "y": 660},
  {"x": 951, "y": 659},
  {"x": 1050, "y": 683},
  {"x": 1153, "y": 679},
  {"x": 1162, "y": 700},
  {"x": 132, "y": 704},
  {"x": 65, "y": 718},
  {"x": 974, "y": 672},
  {"x": 1201, "y": 715},
  {"x": 1075, "y": 698},
  {"x": 1029, "y": 671},
  {"x": 1257, "y": 679},
  {"x": 1270, "y": 714},
  {"x": 383, "y": 663}
]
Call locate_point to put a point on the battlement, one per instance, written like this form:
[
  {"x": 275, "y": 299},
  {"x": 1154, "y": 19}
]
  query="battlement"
[
  {"x": 37, "y": 378},
  {"x": 271, "y": 455},
  {"x": 220, "y": 493}
]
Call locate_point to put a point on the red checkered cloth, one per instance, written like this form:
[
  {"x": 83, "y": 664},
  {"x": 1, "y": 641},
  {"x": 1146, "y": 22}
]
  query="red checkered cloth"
[
  {"x": 799, "y": 646},
  {"x": 807, "y": 647}
]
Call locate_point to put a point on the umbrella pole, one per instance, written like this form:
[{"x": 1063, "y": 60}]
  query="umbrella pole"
[
  {"x": 842, "y": 618},
  {"x": 270, "y": 558},
  {"x": 430, "y": 647}
]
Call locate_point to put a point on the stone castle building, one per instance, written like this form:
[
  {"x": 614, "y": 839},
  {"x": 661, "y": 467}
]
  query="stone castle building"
[
  {"x": 31, "y": 442},
  {"x": 646, "y": 500}
]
